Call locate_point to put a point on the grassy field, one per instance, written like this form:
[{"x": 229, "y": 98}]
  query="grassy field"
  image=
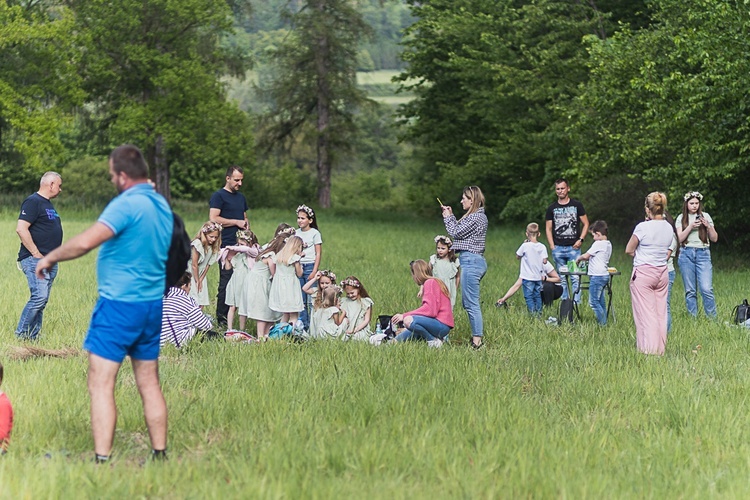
[{"x": 542, "y": 411}]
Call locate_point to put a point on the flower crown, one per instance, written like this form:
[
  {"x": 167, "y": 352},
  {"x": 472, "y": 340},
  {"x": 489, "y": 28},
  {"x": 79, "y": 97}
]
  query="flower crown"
[
  {"x": 329, "y": 274},
  {"x": 244, "y": 235},
  {"x": 210, "y": 227},
  {"x": 351, "y": 282},
  {"x": 287, "y": 230},
  {"x": 446, "y": 239},
  {"x": 309, "y": 211},
  {"x": 693, "y": 194}
]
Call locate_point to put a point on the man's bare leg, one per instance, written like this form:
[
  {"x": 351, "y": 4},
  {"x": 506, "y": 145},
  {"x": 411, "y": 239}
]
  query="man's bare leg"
[
  {"x": 101, "y": 383},
  {"x": 154, "y": 405}
]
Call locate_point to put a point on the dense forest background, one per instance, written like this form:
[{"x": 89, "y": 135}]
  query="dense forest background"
[{"x": 384, "y": 105}]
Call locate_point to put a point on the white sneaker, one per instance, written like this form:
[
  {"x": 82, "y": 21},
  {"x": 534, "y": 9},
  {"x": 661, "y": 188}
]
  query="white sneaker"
[
  {"x": 437, "y": 343},
  {"x": 377, "y": 339}
]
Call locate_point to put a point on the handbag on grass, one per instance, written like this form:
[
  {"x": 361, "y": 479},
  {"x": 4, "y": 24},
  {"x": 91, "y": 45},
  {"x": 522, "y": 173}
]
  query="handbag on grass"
[{"x": 741, "y": 312}]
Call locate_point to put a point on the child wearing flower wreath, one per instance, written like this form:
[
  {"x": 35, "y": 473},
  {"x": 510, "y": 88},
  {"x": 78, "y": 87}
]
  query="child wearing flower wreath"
[
  {"x": 240, "y": 258},
  {"x": 204, "y": 253},
  {"x": 312, "y": 241},
  {"x": 328, "y": 319},
  {"x": 285, "y": 296},
  {"x": 445, "y": 265},
  {"x": 358, "y": 308},
  {"x": 315, "y": 288}
]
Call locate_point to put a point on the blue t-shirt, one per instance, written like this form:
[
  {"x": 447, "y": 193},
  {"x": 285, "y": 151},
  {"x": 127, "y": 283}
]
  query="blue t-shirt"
[
  {"x": 231, "y": 206},
  {"x": 132, "y": 265},
  {"x": 46, "y": 227}
]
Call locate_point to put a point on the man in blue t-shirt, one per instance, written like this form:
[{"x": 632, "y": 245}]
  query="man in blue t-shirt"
[
  {"x": 40, "y": 231},
  {"x": 134, "y": 232},
  {"x": 228, "y": 207}
]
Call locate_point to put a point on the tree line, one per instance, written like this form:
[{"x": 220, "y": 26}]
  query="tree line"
[{"x": 620, "y": 97}]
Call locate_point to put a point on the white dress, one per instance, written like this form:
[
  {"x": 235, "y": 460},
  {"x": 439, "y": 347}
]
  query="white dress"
[
  {"x": 286, "y": 294},
  {"x": 447, "y": 272},
  {"x": 205, "y": 259},
  {"x": 355, "y": 314},
  {"x": 257, "y": 289},
  {"x": 323, "y": 325}
]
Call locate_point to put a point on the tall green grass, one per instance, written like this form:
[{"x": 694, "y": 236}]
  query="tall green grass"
[{"x": 542, "y": 411}]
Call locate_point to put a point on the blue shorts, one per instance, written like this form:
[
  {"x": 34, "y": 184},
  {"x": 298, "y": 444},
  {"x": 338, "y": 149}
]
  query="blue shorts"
[{"x": 120, "y": 329}]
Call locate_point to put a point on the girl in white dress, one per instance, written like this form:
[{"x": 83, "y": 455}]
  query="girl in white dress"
[
  {"x": 445, "y": 265},
  {"x": 258, "y": 287},
  {"x": 204, "y": 253},
  {"x": 240, "y": 258},
  {"x": 315, "y": 287},
  {"x": 358, "y": 307},
  {"x": 285, "y": 296},
  {"x": 328, "y": 317}
]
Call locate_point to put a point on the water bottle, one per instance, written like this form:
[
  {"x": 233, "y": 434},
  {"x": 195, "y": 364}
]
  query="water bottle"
[{"x": 378, "y": 328}]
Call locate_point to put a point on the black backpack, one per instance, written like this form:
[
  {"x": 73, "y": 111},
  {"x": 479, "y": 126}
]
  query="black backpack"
[
  {"x": 741, "y": 312},
  {"x": 566, "y": 312},
  {"x": 178, "y": 254}
]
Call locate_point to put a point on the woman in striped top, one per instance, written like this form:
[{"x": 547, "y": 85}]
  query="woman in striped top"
[
  {"x": 469, "y": 234},
  {"x": 181, "y": 316}
]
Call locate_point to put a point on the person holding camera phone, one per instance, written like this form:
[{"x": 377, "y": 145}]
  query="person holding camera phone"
[{"x": 695, "y": 230}]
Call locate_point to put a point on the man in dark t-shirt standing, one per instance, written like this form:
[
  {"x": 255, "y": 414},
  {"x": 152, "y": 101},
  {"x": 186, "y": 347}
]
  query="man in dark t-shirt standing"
[
  {"x": 228, "y": 207},
  {"x": 567, "y": 226},
  {"x": 40, "y": 230}
]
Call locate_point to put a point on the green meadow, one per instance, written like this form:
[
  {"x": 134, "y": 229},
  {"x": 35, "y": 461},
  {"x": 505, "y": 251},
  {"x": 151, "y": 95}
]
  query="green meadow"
[{"x": 542, "y": 411}]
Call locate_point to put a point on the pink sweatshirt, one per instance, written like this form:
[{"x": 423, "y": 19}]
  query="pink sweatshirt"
[{"x": 434, "y": 304}]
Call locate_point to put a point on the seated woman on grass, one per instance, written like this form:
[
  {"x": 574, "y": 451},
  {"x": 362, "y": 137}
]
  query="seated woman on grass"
[
  {"x": 182, "y": 317},
  {"x": 432, "y": 321}
]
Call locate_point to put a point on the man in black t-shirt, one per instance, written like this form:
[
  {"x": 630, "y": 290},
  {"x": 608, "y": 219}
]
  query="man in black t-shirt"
[
  {"x": 40, "y": 231},
  {"x": 228, "y": 207},
  {"x": 567, "y": 227}
]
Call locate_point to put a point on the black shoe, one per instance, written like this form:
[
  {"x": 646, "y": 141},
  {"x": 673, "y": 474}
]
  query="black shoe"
[{"x": 474, "y": 346}]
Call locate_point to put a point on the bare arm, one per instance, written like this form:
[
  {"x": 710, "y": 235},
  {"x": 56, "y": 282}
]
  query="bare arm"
[
  {"x": 298, "y": 269},
  {"x": 362, "y": 324},
  {"x": 22, "y": 230},
  {"x": 584, "y": 231},
  {"x": 194, "y": 267},
  {"x": 308, "y": 287},
  {"x": 511, "y": 291},
  {"x": 585, "y": 256},
  {"x": 553, "y": 277},
  {"x": 548, "y": 230},
  {"x": 213, "y": 215},
  {"x": 632, "y": 245},
  {"x": 318, "y": 249},
  {"x": 75, "y": 247}
]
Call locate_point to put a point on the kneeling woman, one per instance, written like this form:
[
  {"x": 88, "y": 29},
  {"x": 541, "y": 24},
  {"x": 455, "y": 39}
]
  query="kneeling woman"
[{"x": 433, "y": 321}]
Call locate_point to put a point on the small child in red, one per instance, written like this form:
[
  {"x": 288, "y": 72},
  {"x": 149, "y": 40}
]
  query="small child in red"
[{"x": 6, "y": 418}]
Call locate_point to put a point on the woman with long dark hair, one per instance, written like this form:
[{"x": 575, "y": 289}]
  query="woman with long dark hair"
[{"x": 695, "y": 230}]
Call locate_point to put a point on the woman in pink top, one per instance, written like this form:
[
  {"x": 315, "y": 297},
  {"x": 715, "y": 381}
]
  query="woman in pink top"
[{"x": 433, "y": 321}]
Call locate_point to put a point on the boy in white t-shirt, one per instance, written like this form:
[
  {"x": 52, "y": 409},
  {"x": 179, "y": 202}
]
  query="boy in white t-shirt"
[
  {"x": 533, "y": 256},
  {"x": 598, "y": 256}
]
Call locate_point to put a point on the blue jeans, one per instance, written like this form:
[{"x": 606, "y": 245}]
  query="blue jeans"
[
  {"x": 424, "y": 328},
  {"x": 561, "y": 255},
  {"x": 597, "y": 299},
  {"x": 30, "y": 323},
  {"x": 669, "y": 300},
  {"x": 697, "y": 272},
  {"x": 532, "y": 292},
  {"x": 473, "y": 268},
  {"x": 304, "y": 315}
]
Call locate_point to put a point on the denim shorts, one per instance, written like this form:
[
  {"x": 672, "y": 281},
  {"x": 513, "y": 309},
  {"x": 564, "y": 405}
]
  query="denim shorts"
[{"x": 120, "y": 329}]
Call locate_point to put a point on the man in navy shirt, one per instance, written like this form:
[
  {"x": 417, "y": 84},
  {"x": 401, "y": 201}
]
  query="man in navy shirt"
[
  {"x": 228, "y": 207},
  {"x": 40, "y": 230}
]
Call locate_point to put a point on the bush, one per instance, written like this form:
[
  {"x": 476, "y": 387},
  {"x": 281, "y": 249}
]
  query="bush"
[{"x": 87, "y": 180}]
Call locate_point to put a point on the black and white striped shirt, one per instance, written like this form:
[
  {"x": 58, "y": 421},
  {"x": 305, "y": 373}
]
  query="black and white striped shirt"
[{"x": 181, "y": 318}]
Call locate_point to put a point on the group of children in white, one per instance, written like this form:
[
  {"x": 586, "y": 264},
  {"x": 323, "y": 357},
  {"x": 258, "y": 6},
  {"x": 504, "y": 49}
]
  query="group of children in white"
[{"x": 275, "y": 283}]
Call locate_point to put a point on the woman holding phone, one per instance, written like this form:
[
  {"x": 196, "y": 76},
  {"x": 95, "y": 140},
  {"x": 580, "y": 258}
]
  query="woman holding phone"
[
  {"x": 469, "y": 235},
  {"x": 696, "y": 232}
]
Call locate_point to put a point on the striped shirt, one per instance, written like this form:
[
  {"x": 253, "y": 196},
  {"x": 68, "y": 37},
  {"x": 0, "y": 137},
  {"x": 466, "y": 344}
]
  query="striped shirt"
[
  {"x": 469, "y": 233},
  {"x": 181, "y": 318}
]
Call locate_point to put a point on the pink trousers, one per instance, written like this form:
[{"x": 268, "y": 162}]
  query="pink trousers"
[{"x": 648, "y": 293}]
